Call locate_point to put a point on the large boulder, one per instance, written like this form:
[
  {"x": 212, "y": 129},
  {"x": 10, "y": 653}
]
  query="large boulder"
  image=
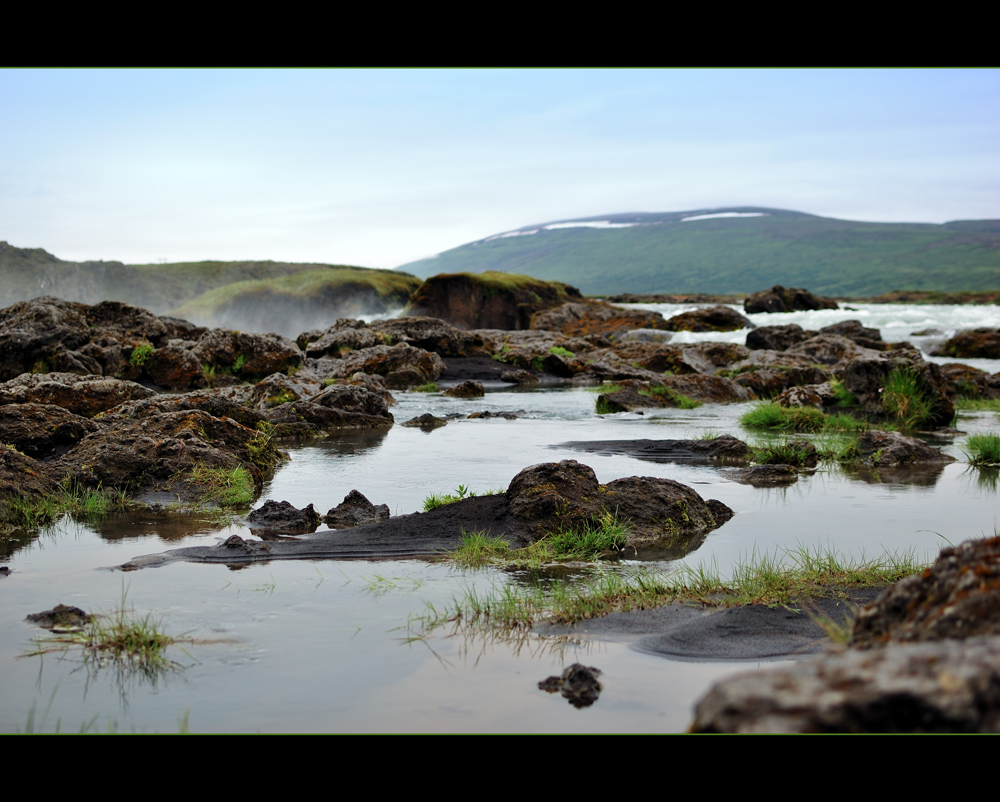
[
  {"x": 247, "y": 356},
  {"x": 660, "y": 513},
  {"x": 779, "y": 299},
  {"x": 777, "y": 338},
  {"x": 892, "y": 449},
  {"x": 901, "y": 386},
  {"x": 489, "y": 300},
  {"x": 42, "y": 430},
  {"x": 585, "y": 317},
  {"x": 436, "y": 336}
]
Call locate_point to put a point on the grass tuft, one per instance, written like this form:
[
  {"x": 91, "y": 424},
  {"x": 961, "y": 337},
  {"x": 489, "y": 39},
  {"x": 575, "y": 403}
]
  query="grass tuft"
[
  {"x": 229, "y": 487},
  {"x": 769, "y": 415},
  {"x": 904, "y": 400},
  {"x": 983, "y": 449}
]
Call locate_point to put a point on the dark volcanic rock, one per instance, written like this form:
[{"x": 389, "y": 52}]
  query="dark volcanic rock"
[
  {"x": 964, "y": 381},
  {"x": 779, "y": 299},
  {"x": 724, "y": 449},
  {"x": 661, "y": 513},
  {"x": 715, "y": 318},
  {"x": 42, "y": 430},
  {"x": 340, "y": 406},
  {"x": 22, "y": 482},
  {"x": 247, "y": 355},
  {"x": 282, "y": 517},
  {"x": 767, "y": 475},
  {"x": 426, "y": 421},
  {"x": 356, "y": 510},
  {"x": 437, "y": 336},
  {"x": 62, "y": 616},
  {"x": 957, "y": 597},
  {"x": 866, "y": 377}
]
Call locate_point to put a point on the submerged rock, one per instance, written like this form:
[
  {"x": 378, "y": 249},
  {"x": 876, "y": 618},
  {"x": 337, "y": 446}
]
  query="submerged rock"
[
  {"x": 578, "y": 684},
  {"x": 467, "y": 389},
  {"x": 892, "y": 449},
  {"x": 982, "y": 343},
  {"x": 715, "y": 318},
  {"x": 62, "y": 616}
]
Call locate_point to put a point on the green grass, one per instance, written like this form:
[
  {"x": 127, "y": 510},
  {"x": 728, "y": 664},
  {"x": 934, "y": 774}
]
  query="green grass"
[
  {"x": 122, "y": 638},
  {"x": 682, "y": 401},
  {"x": 435, "y": 500},
  {"x": 980, "y": 404},
  {"x": 781, "y": 579},
  {"x": 786, "y": 453},
  {"x": 769, "y": 415},
  {"x": 91, "y": 504},
  {"x": 229, "y": 487},
  {"x": 430, "y": 387},
  {"x": 141, "y": 354},
  {"x": 565, "y": 353},
  {"x": 904, "y": 401},
  {"x": 983, "y": 449}
]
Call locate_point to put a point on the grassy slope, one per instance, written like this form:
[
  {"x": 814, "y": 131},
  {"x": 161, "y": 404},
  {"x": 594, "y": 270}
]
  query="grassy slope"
[{"x": 733, "y": 255}]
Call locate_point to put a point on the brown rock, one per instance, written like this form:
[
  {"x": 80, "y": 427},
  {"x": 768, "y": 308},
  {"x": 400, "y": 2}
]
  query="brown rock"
[
  {"x": 715, "y": 318},
  {"x": 779, "y": 299}
]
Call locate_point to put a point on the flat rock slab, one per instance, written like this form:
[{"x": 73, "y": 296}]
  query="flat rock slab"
[
  {"x": 720, "y": 450},
  {"x": 414, "y": 535},
  {"x": 750, "y": 632}
]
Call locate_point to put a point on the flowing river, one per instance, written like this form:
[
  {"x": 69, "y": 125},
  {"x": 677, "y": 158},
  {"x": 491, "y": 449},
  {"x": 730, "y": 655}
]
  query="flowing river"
[{"x": 337, "y": 646}]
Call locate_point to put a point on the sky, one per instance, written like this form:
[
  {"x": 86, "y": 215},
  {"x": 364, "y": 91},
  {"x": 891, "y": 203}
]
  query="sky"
[{"x": 382, "y": 167}]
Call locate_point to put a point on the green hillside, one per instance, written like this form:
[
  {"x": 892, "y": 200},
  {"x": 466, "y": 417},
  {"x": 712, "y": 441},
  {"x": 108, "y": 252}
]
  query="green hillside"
[
  {"x": 256, "y": 296},
  {"x": 663, "y": 253}
]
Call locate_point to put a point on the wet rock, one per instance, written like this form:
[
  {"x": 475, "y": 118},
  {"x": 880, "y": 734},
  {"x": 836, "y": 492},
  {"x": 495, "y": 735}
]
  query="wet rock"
[
  {"x": 982, "y": 343},
  {"x": 853, "y": 330},
  {"x": 426, "y": 421},
  {"x": 951, "y": 686},
  {"x": 489, "y": 300},
  {"x": 356, "y": 510},
  {"x": 779, "y": 299},
  {"x": 467, "y": 389},
  {"x": 62, "y": 616},
  {"x": 247, "y": 548},
  {"x": 278, "y": 389},
  {"x": 715, "y": 318},
  {"x": 645, "y": 336},
  {"x": 180, "y": 329},
  {"x": 32, "y": 331},
  {"x": 175, "y": 367},
  {"x": 401, "y": 365},
  {"x": 371, "y": 382},
  {"x": 585, "y": 317},
  {"x": 777, "y": 338},
  {"x": 578, "y": 684},
  {"x": 227, "y": 402},
  {"x": 708, "y": 389},
  {"x": 830, "y": 349},
  {"x": 874, "y": 448},
  {"x": 767, "y": 475},
  {"x": 488, "y": 414},
  {"x": 281, "y": 516},
  {"x": 81, "y": 395},
  {"x": 711, "y": 357},
  {"x": 661, "y": 513},
  {"x": 957, "y": 597}
]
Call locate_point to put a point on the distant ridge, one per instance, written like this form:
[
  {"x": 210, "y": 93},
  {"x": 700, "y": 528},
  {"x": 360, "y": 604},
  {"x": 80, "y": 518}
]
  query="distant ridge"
[{"x": 736, "y": 249}]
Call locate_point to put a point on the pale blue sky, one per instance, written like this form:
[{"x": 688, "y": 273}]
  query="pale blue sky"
[{"x": 381, "y": 167}]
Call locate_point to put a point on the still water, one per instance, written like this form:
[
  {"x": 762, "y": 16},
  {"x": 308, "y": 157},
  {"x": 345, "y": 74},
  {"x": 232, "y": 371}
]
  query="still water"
[{"x": 330, "y": 645}]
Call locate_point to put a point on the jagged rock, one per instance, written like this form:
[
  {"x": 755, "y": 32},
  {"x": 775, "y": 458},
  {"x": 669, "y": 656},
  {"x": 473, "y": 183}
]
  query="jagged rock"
[
  {"x": 767, "y": 475},
  {"x": 866, "y": 378},
  {"x": 810, "y": 395},
  {"x": 338, "y": 407},
  {"x": 957, "y": 597},
  {"x": 401, "y": 365},
  {"x": 779, "y": 299},
  {"x": 519, "y": 377},
  {"x": 341, "y": 338},
  {"x": 356, "y": 510},
  {"x": 280, "y": 516},
  {"x": 964, "y": 381},
  {"x": 62, "y": 616},
  {"x": 23, "y": 482},
  {"x": 830, "y": 349}
]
